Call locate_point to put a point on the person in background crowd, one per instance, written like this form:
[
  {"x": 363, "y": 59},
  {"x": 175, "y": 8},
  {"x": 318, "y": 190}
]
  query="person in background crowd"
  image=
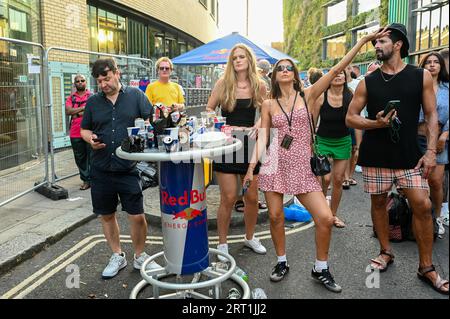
[
  {"x": 314, "y": 75},
  {"x": 106, "y": 118},
  {"x": 164, "y": 91},
  {"x": 334, "y": 139},
  {"x": 238, "y": 93},
  {"x": 355, "y": 77},
  {"x": 286, "y": 169},
  {"x": 264, "y": 67},
  {"x": 444, "y": 54},
  {"x": 434, "y": 63},
  {"x": 445, "y": 211},
  {"x": 389, "y": 152},
  {"x": 75, "y": 104}
]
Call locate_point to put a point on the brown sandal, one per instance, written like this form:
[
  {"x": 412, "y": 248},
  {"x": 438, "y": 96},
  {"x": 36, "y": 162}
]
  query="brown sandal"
[
  {"x": 436, "y": 285},
  {"x": 381, "y": 264}
]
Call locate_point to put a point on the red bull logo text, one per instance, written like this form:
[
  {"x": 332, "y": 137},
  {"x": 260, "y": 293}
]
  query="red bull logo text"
[
  {"x": 183, "y": 200},
  {"x": 178, "y": 226},
  {"x": 188, "y": 214}
]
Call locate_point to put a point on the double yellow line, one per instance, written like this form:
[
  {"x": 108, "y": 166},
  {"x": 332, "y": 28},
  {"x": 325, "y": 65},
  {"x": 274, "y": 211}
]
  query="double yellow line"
[{"x": 67, "y": 258}]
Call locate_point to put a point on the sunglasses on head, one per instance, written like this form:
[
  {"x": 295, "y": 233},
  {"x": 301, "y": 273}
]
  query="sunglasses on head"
[
  {"x": 164, "y": 68},
  {"x": 281, "y": 68},
  {"x": 80, "y": 81}
]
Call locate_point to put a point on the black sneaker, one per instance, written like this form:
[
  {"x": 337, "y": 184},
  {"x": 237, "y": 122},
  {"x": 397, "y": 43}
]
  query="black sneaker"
[
  {"x": 279, "y": 271},
  {"x": 326, "y": 279}
]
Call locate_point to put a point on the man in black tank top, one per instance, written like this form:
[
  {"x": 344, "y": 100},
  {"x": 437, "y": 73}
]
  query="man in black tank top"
[{"x": 389, "y": 153}]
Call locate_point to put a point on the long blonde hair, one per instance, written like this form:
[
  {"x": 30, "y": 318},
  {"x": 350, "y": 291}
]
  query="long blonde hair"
[{"x": 227, "y": 92}]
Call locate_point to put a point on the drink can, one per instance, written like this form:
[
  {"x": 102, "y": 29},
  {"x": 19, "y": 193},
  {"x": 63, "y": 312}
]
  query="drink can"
[
  {"x": 170, "y": 144},
  {"x": 184, "y": 217},
  {"x": 227, "y": 130},
  {"x": 151, "y": 141},
  {"x": 218, "y": 126},
  {"x": 175, "y": 117}
]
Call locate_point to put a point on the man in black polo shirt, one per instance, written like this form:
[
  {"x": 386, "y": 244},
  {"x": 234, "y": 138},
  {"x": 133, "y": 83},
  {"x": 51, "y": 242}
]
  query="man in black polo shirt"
[
  {"x": 106, "y": 118},
  {"x": 389, "y": 153}
]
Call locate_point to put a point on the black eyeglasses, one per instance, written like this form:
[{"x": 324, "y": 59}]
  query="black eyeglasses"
[
  {"x": 164, "y": 68},
  {"x": 80, "y": 81},
  {"x": 281, "y": 68}
]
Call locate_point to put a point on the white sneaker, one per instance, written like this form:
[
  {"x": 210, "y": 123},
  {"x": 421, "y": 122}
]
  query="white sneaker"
[
  {"x": 444, "y": 214},
  {"x": 440, "y": 223},
  {"x": 223, "y": 248},
  {"x": 116, "y": 263},
  {"x": 137, "y": 263},
  {"x": 256, "y": 245},
  {"x": 358, "y": 169}
]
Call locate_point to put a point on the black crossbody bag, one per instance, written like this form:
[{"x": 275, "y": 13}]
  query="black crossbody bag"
[{"x": 320, "y": 165}]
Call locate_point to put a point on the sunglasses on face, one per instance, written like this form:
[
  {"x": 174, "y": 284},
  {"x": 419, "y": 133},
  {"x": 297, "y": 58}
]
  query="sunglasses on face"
[
  {"x": 164, "y": 68},
  {"x": 281, "y": 68},
  {"x": 80, "y": 81}
]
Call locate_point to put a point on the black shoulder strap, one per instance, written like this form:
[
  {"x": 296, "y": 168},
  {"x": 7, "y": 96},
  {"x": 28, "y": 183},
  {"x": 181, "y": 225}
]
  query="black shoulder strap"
[{"x": 310, "y": 121}]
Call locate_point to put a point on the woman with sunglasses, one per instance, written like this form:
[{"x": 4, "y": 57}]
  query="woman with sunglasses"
[
  {"x": 286, "y": 167},
  {"x": 239, "y": 92}
]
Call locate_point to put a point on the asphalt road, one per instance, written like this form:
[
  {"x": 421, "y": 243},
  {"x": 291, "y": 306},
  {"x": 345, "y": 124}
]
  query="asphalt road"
[{"x": 47, "y": 275}]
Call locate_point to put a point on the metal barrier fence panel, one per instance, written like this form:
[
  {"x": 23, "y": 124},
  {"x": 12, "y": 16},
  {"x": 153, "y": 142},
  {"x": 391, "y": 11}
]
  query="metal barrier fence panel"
[
  {"x": 197, "y": 97},
  {"x": 22, "y": 151},
  {"x": 64, "y": 65}
]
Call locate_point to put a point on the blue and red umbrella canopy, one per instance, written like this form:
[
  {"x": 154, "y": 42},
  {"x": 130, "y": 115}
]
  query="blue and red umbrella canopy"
[{"x": 217, "y": 52}]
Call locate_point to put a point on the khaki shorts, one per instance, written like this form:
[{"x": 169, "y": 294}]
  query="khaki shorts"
[{"x": 380, "y": 180}]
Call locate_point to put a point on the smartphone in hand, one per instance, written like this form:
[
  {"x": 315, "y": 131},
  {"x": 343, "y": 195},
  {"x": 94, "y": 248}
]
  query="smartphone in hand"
[
  {"x": 97, "y": 140},
  {"x": 391, "y": 105}
]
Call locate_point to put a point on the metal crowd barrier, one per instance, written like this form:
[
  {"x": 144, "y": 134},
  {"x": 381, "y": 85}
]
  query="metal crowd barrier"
[
  {"x": 23, "y": 125},
  {"x": 197, "y": 96},
  {"x": 35, "y": 150},
  {"x": 64, "y": 64}
]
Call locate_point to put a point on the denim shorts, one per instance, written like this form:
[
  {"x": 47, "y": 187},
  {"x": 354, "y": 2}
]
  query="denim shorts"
[
  {"x": 108, "y": 187},
  {"x": 441, "y": 158}
]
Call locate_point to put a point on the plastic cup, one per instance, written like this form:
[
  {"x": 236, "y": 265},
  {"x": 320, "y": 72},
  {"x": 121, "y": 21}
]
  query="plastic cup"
[
  {"x": 161, "y": 146},
  {"x": 133, "y": 130},
  {"x": 172, "y": 132}
]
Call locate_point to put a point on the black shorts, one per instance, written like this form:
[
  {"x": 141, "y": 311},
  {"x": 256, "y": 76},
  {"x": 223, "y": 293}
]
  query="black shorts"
[{"x": 107, "y": 187}]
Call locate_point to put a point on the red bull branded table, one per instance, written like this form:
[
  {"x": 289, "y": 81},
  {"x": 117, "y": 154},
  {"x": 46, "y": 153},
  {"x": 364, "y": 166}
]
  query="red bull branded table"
[{"x": 185, "y": 224}]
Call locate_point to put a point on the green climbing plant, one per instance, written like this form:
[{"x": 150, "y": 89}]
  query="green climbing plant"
[{"x": 304, "y": 29}]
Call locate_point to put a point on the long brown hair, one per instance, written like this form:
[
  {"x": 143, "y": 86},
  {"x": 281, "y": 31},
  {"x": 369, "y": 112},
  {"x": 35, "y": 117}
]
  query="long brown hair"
[
  {"x": 275, "y": 91},
  {"x": 227, "y": 92},
  {"x": 443, "y": 74}
]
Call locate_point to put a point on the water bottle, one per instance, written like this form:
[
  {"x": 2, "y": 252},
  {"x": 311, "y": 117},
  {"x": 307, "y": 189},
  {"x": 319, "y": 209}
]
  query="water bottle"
[
  {"x": 241, "y": 273},
  {"x": 258, "y": 293},
  {"x": 234, "y": 294}
]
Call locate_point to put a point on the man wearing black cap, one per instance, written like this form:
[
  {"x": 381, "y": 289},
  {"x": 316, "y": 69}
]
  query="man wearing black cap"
[{"x": 389, "y": 153}]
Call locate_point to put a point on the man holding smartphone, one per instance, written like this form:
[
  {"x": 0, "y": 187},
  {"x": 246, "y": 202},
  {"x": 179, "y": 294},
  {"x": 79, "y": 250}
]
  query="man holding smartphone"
[
  {"x": 389, "y": 161},
  {"x": 104, "y": 126}
]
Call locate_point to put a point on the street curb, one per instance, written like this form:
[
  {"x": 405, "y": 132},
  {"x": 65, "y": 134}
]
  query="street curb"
[{"x": 37, "y": 248}]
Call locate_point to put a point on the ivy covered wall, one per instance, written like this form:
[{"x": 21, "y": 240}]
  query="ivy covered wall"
[{"x": 304, "y": 27}]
